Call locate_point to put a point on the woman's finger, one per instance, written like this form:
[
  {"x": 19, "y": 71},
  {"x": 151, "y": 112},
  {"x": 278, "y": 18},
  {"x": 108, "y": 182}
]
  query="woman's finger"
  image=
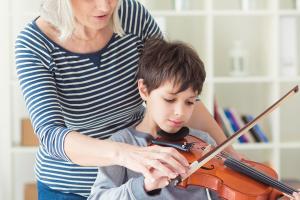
[
  {"x": 296, "y": 195},
  {"x": 146, "y": 170},
  {"x": 173, "y": 158},
  {"x": 146, "y": 166},
  {"x": 168, "y": 161},
  {"x": 163, "y": 168}
]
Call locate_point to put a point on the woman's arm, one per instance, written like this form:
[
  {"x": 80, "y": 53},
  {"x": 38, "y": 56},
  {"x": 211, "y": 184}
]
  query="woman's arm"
[{"x": 87, "y": 151}]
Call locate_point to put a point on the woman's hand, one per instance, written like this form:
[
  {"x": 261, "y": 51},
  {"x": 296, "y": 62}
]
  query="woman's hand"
[
  {"x": 156, "y": 163},
  {"x": 296, "y": 196}
]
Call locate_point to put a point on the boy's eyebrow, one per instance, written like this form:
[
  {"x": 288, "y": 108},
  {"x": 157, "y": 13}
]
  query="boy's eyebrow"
[{"x": 174, "y": 93}]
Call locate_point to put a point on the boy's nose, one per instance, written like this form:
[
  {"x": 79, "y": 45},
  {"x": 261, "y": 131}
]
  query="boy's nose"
[{"x": 179, "y": 110}]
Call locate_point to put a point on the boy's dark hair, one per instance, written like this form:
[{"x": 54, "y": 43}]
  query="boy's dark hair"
[{"x": 170, "y": 61}]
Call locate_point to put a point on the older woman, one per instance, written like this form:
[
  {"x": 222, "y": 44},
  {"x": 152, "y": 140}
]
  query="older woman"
[{"x": 76, "y": 65}]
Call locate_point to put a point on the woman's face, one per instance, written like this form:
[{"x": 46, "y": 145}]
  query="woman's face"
[{"x": 94, "y": 14}]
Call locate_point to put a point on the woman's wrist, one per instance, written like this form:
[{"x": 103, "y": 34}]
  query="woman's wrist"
[
  {"x": 87, "y": 151},
  {"x": 120, "y": 152}
]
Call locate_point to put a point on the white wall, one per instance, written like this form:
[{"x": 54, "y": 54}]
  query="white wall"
[{"x": 5, "y": 53}]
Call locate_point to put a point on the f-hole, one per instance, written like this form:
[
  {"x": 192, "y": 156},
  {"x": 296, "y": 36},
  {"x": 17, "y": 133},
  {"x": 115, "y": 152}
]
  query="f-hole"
[{"x": 208, "y": 168}]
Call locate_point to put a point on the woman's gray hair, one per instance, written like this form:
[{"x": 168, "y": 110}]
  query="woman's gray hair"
[{"x": 59, "y": 13}]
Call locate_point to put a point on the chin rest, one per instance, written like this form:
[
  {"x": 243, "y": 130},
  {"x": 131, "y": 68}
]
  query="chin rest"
[
  {"x": 179, "y": 135},
  {"x": 169, "y": 139}
]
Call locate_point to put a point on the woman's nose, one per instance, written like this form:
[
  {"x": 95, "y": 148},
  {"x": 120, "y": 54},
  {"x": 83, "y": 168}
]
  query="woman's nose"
[{"x": 103, "y": 5}]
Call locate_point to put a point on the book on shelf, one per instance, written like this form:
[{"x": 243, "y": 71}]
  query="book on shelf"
[
  {"x": 255, "y": 136},
  {"x": 230, "y": 120},
  {"x": 234, "y": 125},
  {"x": 256, "y": 131},
  {"x": 226, "y": 127},
  {"x": 240, "y": 124}
]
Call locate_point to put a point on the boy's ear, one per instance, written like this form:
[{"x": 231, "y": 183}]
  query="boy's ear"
[{"x": 142, "y": 89}]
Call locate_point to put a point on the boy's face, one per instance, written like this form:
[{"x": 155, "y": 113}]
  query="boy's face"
[{"x": 167, "y": 109}]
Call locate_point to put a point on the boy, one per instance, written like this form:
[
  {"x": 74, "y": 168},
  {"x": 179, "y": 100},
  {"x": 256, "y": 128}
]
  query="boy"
[{"x": 170, "y": 77}]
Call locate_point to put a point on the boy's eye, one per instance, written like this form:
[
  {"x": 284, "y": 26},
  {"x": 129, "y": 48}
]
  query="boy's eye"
[
  {"x": 190, "y": 103},
  {"x": 169, "y": 100}
]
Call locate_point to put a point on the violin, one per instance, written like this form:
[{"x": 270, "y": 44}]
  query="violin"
[
  {"x": 215, "y": 169},
  {"x": 230, "y": 178}
]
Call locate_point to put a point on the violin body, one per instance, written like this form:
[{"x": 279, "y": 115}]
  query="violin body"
[{"x": 228, "y": 183}]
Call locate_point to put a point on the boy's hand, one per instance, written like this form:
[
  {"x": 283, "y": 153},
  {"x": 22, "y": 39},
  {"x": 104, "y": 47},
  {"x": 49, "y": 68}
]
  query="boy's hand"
[{"x": 160, "y": 182}]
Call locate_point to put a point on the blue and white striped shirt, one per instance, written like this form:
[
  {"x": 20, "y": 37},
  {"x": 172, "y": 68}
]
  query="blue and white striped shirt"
[{"x": 66, "y": 91}]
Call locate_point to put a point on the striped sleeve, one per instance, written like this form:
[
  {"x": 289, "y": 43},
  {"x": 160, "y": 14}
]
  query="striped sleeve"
[
  {"x": 40, "y": 95},
  {"x": 136, "y": 19}
]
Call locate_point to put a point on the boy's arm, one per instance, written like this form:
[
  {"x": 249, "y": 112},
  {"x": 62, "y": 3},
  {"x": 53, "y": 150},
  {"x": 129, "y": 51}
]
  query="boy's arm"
[
  {"x": 114, "y": 182},
  {"x": 202, "y": 120}
]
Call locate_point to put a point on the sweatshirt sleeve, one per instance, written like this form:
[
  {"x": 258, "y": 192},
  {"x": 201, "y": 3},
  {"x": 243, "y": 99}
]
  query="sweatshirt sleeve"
[
  {"x": 38, "y": 86},
  {"x": 113, "y": 182}
]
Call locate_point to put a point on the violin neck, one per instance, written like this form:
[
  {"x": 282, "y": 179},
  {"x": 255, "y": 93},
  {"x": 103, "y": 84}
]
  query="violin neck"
[{"x": 258, "y": 176}]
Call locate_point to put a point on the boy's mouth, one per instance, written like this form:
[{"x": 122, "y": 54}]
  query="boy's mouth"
[{"x": 176, "y": 123}]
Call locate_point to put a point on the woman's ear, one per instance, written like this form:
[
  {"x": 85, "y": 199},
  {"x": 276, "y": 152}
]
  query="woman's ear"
[{"x": 142, "y": 89}]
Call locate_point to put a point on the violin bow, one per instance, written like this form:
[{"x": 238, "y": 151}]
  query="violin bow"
[{"x": 212, "y": 153}]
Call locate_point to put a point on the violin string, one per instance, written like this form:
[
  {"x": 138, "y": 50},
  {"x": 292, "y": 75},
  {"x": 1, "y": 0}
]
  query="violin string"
[
  {"x": 265, "y": 179},
  {"x": 261, "y": 176},
  {"x": 255, "y": 172}
]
